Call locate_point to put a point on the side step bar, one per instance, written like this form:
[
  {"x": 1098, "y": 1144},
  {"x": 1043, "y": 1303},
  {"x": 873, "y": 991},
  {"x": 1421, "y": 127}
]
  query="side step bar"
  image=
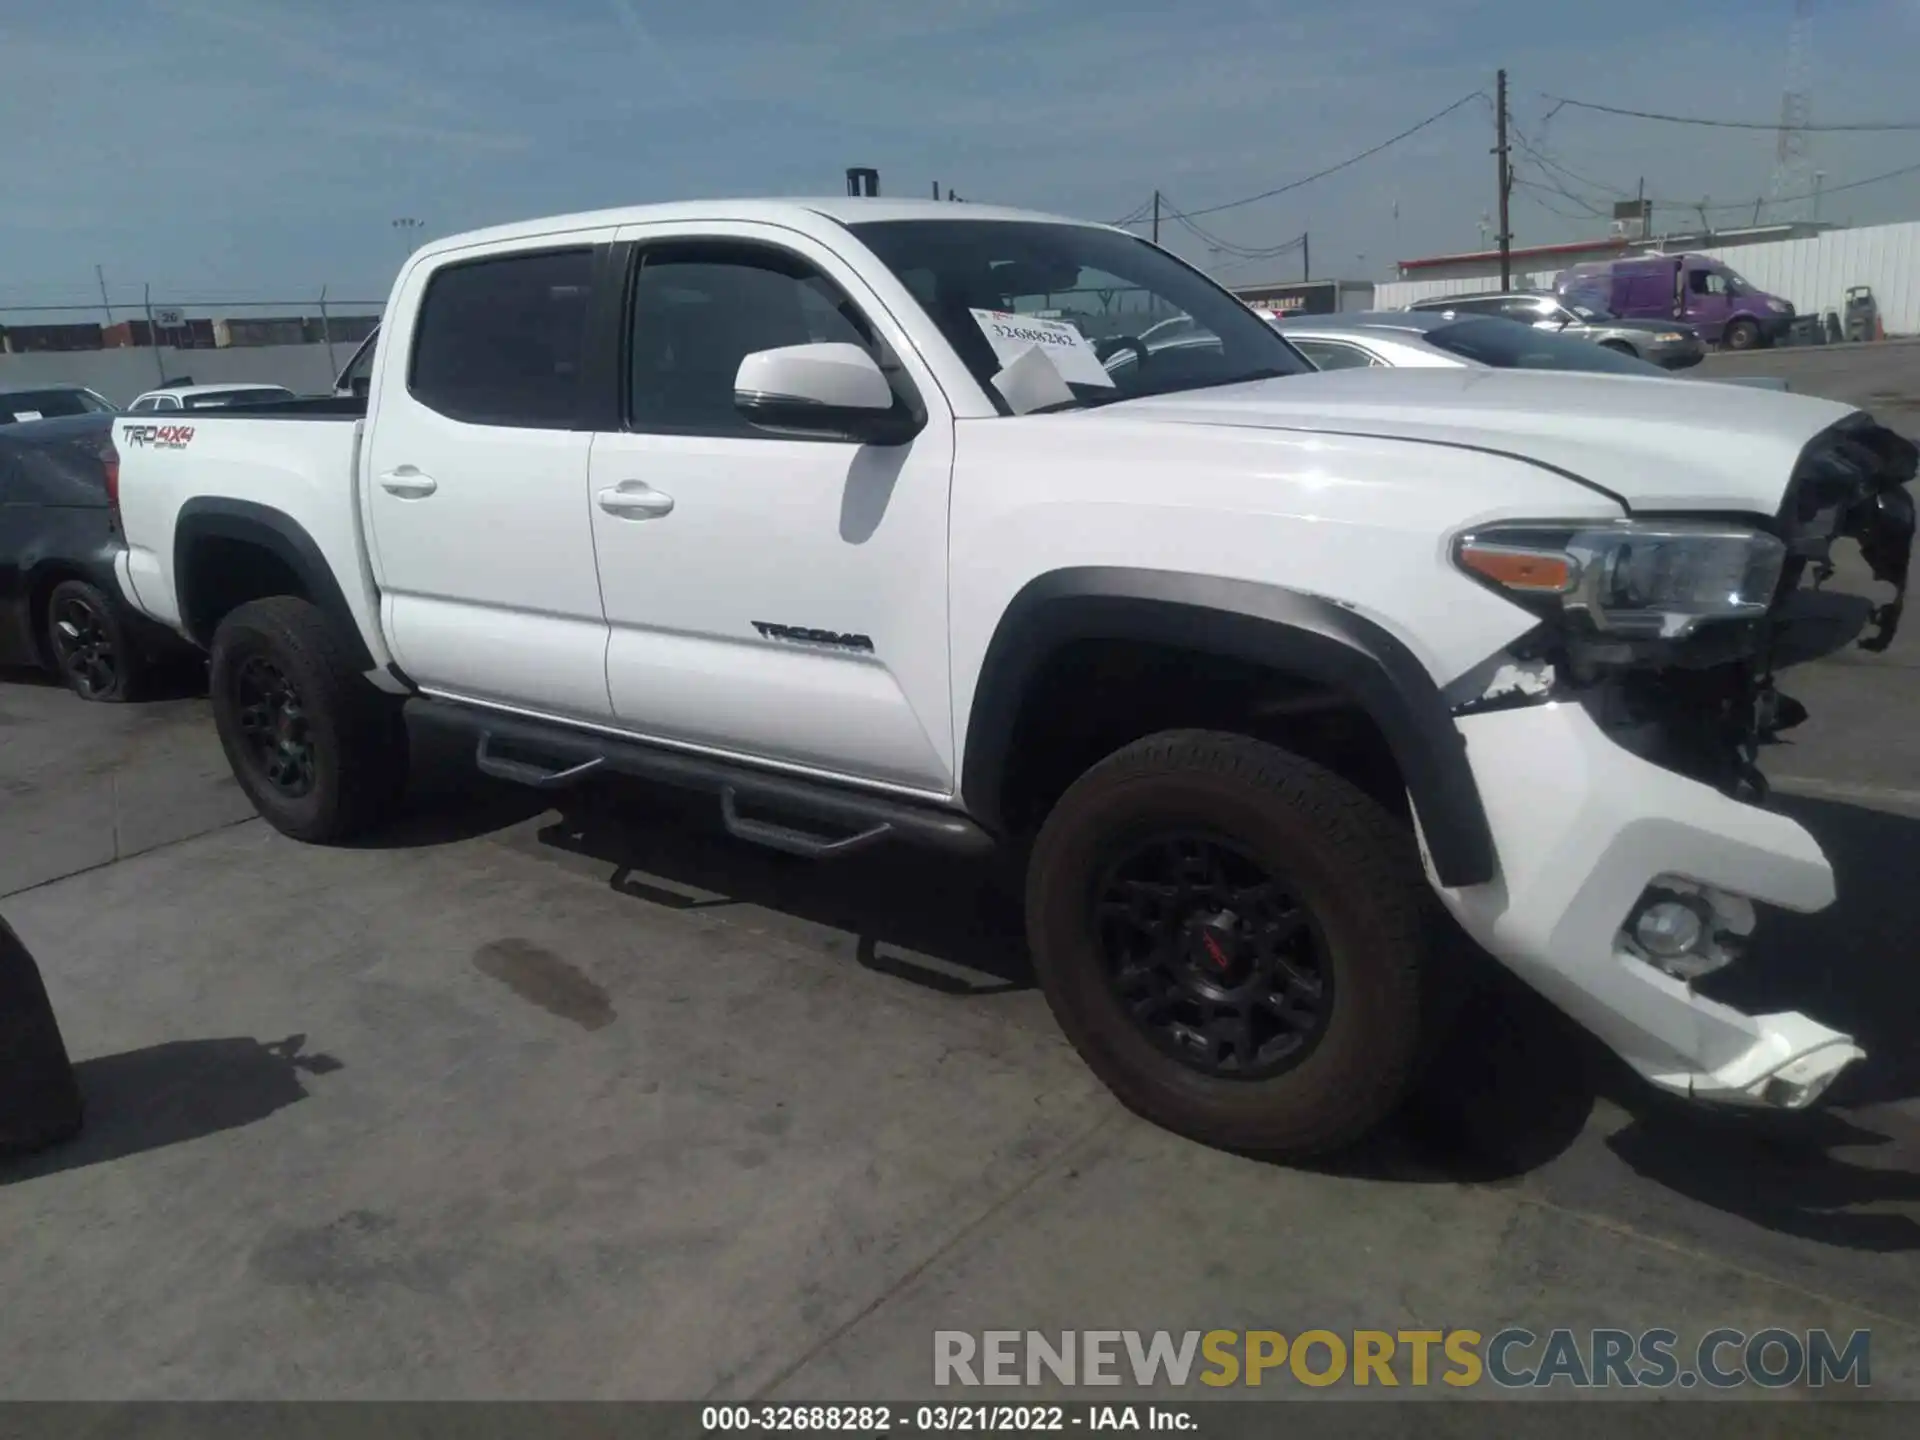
[{"x": 552, "y": 757}]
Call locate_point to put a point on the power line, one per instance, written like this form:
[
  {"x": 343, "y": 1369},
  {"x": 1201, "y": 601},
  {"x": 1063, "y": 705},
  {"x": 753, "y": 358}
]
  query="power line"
[
  {"x": 1548, "y": 163},
  {"x": 1368, "y": 153},
  {"x": 1246, "y": 252},
  {"x": 1879, "y": 126},
  {"x": 1537, "y": 191}
]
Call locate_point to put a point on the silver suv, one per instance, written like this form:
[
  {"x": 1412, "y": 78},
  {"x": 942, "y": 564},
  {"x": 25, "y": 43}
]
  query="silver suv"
[{"x": 1665, "y": 343}]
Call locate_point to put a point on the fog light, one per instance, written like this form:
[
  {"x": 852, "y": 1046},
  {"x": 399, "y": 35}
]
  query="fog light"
[
  {"x": 1668, "y": 929},
  {"x": 1686, "y": 929}
]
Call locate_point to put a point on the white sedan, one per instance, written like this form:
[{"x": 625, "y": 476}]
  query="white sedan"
[{"x": 209, "y": 397}]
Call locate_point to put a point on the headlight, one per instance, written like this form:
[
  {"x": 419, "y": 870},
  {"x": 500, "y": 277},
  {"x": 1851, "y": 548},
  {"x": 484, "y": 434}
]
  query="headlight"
[
  {"x": 1777, "y": 306},
  {"x": 1635, "y": 579},
  {"x": 1668, "y": 337}
]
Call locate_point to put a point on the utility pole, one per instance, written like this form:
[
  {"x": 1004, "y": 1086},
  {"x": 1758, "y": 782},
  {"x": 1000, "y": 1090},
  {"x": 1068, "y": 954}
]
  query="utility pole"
[
  {"x": 1505, "y": 180},
  {"x": 1306, "y": 256},
  {"x": 101, "y": 276},
  {"x": 1156, "y": 216}
]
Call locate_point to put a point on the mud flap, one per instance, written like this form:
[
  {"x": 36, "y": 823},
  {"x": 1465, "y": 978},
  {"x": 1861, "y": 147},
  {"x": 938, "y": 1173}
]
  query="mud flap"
[
  {"x": 1882, "y": 521},
  {"x": 1884, "y": 527}
]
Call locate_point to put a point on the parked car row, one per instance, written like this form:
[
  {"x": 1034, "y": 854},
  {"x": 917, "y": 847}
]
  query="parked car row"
[
  {"x": 1665, "y": 343},
  {"x": 1443, "y": 338}
]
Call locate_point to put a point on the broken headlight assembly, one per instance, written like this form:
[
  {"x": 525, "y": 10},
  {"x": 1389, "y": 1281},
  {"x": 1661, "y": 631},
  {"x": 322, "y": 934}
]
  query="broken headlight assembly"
[
  {"x": 1629, "y": 580},
  {"x": 1660, "y": 628}
]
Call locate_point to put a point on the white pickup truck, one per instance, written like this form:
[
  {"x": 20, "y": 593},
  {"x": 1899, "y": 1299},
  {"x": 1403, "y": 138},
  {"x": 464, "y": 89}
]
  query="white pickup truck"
[{"x": 881, "y": 521}]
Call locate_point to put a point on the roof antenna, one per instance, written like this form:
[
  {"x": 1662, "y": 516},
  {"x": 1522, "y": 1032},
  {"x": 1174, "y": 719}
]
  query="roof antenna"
[{"x": 862, "y": 181}]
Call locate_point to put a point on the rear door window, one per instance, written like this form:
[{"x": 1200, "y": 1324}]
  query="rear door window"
[{"x": 500, "y": 341}]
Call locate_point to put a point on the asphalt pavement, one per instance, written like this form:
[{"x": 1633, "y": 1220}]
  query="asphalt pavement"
[{"x": 594, "y": 1102}]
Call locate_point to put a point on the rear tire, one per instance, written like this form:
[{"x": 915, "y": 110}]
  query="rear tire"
[
  {"x": 320, "y": 752},
  {"x": 1354, "y": 954},
  {"x": 1741, "y": 335},
  {"x": 88, "y": 643}
]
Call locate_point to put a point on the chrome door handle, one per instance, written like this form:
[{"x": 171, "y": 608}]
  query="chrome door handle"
[
  {"x": 633, "y": 500},
  {"x": 408, "y": 483}
]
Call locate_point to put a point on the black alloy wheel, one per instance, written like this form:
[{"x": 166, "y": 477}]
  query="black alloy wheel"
[
  {"x": 1214, "y": 957},
  {"x": 88, "y": 645},
  {"x": 83, "y": 648},
  {"x": 274, "y": 727},
  {"x": 1234, "y": 938},
  {"x": 319, "y": 751}
]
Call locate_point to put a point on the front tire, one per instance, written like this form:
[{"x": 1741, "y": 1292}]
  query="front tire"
[
  {"x": 89, "y": 645},
  {"x": 320, "y": 752},
  {"x": 1741, "y": 335},
  {"x": 1233, "y": 938}
]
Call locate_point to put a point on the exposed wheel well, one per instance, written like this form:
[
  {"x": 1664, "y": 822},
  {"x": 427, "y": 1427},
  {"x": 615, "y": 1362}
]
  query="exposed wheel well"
[
  {"x": 1622, "y": 346},
  {"x": 222, "y": 574},
  {"x": 1091, "y": 697}
]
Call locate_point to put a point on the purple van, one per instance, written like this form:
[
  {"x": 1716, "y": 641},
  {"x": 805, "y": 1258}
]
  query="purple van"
[{"x": 1693, "y": 288}]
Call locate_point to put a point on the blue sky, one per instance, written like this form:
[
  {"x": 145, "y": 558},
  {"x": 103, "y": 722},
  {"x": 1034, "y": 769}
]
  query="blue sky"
[{"x": 261, "y": 148}]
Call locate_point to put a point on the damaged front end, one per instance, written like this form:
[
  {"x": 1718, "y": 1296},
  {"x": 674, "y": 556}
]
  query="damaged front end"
[
  {"x": 1691, "y": 686},
  {"x": 1653, "y": 665}
]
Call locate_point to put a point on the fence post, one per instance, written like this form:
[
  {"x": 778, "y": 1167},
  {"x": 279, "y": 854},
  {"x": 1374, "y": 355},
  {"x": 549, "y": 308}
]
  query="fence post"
[
  {"x": 326, "y": 331},
  {"x": 153, "y": 332}
]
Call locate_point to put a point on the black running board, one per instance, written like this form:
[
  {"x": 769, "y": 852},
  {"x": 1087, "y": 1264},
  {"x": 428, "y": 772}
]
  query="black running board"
[{"x": 549, "y": 756}]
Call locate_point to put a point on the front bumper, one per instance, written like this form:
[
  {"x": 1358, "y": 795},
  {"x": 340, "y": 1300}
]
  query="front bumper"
[{"x": 1582, "y": 827}]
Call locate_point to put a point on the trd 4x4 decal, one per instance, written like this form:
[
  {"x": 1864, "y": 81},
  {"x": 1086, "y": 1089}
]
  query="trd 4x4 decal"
[{"x": 159, "y": 437}]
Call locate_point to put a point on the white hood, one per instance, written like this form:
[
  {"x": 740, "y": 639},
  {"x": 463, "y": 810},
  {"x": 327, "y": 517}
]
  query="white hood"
[{"x": 1655, "y": 443}]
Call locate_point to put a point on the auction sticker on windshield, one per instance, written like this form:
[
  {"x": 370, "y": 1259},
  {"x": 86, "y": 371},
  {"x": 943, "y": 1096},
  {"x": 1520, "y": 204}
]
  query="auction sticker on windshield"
[{"x": 1011, "y": 336}]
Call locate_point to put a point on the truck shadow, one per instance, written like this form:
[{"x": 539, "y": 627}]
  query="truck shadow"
[
  {"x": 448, "y": 800},
  {"x": 948, "y": 925},
  {"x": 1516, "y": 1089},
  {"x": 171, "y": 1093}
]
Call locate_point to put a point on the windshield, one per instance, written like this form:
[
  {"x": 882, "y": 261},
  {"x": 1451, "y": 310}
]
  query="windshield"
[
  {"x": 221, "y": 399},
  {"x": 1507, "y": 346},
  {"x": 1124, "y": 317},
  {"x": 1735, "y": 285},
  {"x": 22, "y": 405},
  {"x": 1586, "y": 297}
]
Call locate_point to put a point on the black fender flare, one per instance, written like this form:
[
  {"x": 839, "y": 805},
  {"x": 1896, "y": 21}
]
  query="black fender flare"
[
  {"x": 1286, "y": 630},
  {"x": 274, "y": 531}
]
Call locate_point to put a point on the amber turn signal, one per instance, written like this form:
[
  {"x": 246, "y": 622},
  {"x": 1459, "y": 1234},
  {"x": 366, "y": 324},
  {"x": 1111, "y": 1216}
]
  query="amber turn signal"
[{"x": 1544, "y": 571}]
